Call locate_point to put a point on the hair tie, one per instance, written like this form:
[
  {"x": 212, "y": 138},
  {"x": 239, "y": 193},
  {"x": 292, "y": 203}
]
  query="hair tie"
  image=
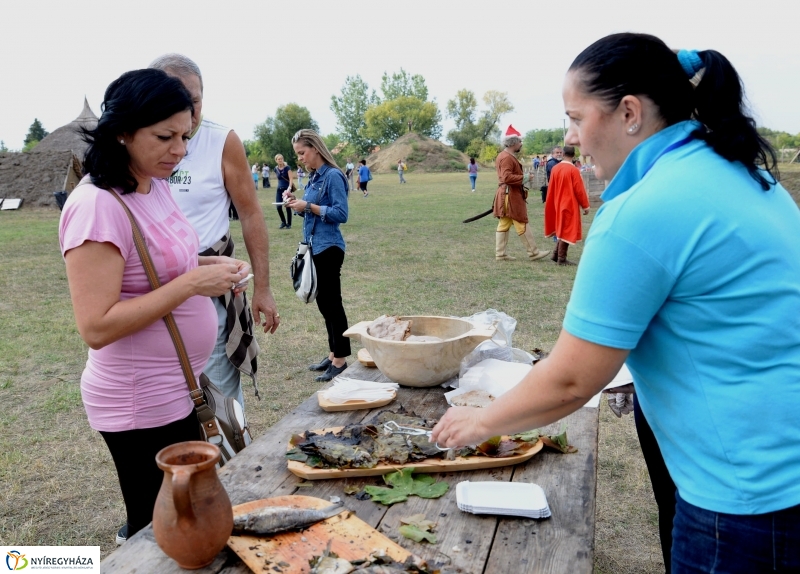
[{"x": 691, "y": 62}]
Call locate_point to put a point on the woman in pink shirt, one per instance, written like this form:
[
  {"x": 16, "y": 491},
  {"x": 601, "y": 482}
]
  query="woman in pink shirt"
[{"x": 133, "y": 388}]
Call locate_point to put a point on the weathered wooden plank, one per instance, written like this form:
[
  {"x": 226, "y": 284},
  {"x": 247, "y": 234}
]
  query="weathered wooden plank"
[
  {"x": 463, "y": 540},
  {"x": 242, "y": 482},
  {"x": 564, "y": 542},
  {"x": 141, "y": 554}
]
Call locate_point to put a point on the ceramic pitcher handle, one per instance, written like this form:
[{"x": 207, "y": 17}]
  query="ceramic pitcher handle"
[{"x": 181, "y": 497}]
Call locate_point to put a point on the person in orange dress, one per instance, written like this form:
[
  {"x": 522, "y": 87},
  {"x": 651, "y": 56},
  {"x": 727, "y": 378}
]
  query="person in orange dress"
[
  {"x": 562, "y": 210},
  {"x": 510, "y": 205}
]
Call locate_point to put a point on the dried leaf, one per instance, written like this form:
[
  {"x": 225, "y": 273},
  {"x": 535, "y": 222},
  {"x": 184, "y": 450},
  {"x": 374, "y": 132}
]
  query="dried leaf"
[
  {"x": 419, "y": 521},
  {"x": 489, "y": 448},
  {"x": 417, "y": 534},
  {"x": 353, "y": 488}
]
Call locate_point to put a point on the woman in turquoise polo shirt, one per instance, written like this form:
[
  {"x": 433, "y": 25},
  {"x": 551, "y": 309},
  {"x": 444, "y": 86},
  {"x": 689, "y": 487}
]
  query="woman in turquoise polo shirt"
[{"x": 691, "y": 276}]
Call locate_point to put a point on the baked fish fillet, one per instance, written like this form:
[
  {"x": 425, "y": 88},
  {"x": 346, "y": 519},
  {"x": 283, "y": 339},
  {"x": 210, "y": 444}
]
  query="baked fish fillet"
[{"x": 274, "y": 519}]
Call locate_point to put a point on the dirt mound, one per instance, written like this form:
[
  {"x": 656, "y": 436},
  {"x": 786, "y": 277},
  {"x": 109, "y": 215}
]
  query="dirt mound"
[
  {"x": 35, "y": 175},
  {"x": 420, "y": 154}
]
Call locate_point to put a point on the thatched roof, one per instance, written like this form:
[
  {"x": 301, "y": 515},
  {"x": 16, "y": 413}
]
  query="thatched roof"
[
  {"x": 68, "y": 137},
  {"x": 35, "y": 175}
]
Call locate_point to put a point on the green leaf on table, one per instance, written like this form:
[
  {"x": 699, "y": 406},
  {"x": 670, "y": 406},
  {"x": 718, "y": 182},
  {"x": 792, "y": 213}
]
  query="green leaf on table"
[
  {"x": 419, "y": 521},
  {"x": 403, "y": 484},
  {"x": 418, "y": 528},
  {"x": 417, "y": 534},
  {"x": 296, "y": 454},
  {"x": 433, "y": 490},
  {"x": 559, "y": 441},
  {"x": 527, "y": 436},
  {"x": 401, "y": 479}
]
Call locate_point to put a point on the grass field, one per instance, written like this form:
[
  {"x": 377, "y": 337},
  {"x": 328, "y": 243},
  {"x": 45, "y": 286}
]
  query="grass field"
[{"x": 407, "y": 253}]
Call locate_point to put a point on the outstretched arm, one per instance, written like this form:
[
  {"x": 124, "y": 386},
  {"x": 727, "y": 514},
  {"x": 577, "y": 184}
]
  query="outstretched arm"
[{"x": 562, "y": 383}]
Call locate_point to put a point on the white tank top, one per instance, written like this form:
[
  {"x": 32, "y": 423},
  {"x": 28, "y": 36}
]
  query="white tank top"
[{"x": 198, "y": 186}]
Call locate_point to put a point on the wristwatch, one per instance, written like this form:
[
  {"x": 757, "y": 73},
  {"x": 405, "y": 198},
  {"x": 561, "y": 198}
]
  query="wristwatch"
[{"x": 307, "y": 208}]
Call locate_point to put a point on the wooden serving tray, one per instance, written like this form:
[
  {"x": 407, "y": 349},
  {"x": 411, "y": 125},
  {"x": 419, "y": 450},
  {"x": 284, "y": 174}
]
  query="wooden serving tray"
[
  {"x": 427, "y": 465},
  {"x": 365, "y": 358},
  {"x": 330, "y": 407},
  {"x": 351, "y": 537}
]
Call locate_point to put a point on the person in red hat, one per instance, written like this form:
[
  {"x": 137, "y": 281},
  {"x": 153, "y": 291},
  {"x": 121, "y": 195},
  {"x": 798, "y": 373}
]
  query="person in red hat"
[
  {"x": 509, "y": 200},
  {"x": 562, "y": 211}
]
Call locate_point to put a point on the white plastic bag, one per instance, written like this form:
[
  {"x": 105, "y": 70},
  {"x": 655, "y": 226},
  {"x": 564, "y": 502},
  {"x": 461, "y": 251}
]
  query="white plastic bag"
[
  {"x": 304, "y": 274},
  {"x": 493, "y": 376},
  {"x": 499, "y": 346}
]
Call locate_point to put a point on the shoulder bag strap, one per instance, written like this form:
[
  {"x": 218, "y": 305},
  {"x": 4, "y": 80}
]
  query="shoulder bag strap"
[{"x": 195, "y": 392}]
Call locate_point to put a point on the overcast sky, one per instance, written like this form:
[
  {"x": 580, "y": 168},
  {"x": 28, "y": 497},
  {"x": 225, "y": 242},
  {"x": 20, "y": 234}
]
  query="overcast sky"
[{"x": 257, "y": 55}]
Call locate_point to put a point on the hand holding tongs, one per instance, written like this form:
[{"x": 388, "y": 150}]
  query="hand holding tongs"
[{"x": 391, "y": 427}]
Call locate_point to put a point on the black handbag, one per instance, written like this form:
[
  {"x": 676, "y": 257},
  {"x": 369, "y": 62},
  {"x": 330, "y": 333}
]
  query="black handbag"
[{"x": 221, "y": 418}]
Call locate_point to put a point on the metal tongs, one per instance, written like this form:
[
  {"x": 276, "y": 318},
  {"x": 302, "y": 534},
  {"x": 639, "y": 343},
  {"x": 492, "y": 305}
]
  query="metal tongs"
[{"x": 391, "y": 427}]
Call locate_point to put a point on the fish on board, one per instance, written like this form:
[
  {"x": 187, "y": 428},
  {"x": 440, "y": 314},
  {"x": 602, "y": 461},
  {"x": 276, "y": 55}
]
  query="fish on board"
[{"x": 274, "y": 519}]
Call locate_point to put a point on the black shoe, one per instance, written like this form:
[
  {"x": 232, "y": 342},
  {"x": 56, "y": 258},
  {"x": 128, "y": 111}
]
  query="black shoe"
[
  {"x": 321, "y": 366},
  {"x": 283, "y": 226},
  {"x": 288, "y": 227},
  {"x": 331, "y": 373},
  {"x": 122, "y": 535}
]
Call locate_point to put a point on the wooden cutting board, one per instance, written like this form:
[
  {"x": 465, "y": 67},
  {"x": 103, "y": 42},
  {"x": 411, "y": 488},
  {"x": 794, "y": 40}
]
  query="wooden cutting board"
[
  {"x": 330, "y": 407},
  {"x": 365, "y": 358},
  {"x": 428, "y": 465},
  {"x": 289, "y": 552}
]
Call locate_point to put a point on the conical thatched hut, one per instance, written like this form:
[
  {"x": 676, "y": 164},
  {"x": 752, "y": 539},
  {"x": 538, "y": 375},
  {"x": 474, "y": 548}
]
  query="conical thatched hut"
[{"x": 68, "y": 137}]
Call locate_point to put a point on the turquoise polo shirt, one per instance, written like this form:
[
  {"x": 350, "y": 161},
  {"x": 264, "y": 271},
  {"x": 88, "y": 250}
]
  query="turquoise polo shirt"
[{"x": 696, "y": 270}]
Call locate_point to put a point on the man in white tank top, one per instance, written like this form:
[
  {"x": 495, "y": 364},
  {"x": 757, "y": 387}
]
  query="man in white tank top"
[{"x": 214, "y": 173}]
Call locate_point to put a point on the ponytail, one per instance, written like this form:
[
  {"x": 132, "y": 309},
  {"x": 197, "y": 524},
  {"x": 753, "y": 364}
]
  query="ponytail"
[
  {"x": 727, "y": 127},
  {"x": 641, "y": 64}
]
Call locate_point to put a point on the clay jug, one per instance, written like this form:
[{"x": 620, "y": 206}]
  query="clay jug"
[{"x": 193, "y": 518}]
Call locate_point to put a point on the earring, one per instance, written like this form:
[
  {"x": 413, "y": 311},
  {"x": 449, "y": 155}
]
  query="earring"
[
  {"x": 122, "y": 142},
  {"x": 633, "y": 128}
]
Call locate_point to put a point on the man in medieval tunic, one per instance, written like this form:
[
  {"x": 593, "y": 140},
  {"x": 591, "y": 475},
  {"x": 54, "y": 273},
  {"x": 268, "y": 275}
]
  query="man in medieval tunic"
[
  {"x": 509, "y": 200},
  {"x": 562, "y": 211}
]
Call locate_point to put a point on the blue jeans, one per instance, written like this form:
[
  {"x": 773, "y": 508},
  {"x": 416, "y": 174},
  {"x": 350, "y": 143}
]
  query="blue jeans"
[
  {"x": 705, "y": 541},
  {"x": 219, "y": 367},
  {"x": 473, "y": 179},
  {"x": 402, "y": 179}
]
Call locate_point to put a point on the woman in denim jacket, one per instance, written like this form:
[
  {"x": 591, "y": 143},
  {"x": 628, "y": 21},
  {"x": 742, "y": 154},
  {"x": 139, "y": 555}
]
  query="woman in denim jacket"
[{"x": 324, "y": 208}]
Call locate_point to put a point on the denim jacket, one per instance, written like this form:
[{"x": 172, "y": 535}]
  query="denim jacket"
[{"x": 327, "y": 188}]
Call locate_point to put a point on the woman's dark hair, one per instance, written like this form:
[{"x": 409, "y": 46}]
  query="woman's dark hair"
[
  {"x": 639, "y": 64},
  {"x": 472, "y": 160},
  {"x": 363, "y": 162},
  {"x": 135, "y": 100}
]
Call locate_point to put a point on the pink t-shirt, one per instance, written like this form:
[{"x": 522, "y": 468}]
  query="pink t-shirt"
[{"x": 137, "y": 382}]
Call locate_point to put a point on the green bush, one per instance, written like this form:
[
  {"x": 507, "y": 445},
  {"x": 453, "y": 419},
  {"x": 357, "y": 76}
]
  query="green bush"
[{"x": 488, "y": 153}]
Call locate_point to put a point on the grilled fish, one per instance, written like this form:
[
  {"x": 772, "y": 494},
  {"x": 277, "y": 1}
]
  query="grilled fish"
[{"x": 274, "y": 519}]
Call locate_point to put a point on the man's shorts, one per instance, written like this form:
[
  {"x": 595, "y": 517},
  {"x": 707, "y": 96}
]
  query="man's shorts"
[{"x": 362, "y": 185}]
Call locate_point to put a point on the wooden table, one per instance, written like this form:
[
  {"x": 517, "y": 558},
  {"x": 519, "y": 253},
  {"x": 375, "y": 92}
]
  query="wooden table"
[{"x": 475, "y": 544}]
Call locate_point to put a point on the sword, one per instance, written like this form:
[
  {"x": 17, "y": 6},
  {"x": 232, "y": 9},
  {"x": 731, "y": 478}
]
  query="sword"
[{"x": 477, "y": 217}]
